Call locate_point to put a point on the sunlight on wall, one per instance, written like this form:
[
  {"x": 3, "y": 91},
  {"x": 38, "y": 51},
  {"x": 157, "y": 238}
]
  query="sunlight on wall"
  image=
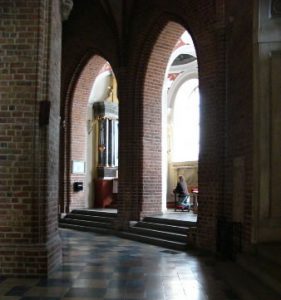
[{"x": 186, "y": 123}]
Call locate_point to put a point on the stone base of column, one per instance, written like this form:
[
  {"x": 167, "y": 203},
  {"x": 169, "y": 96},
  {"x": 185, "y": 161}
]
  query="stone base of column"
[
  {"x": 30, "y": 259},
  {"x": 109, "y": 172}
]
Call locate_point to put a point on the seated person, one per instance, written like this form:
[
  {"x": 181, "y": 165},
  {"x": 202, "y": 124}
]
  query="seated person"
[{"x": 181, "y": 190}]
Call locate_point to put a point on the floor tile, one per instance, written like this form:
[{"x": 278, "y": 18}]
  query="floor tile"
[
  {"x": 10, "y": 297},
  {"x": 95, "y": 275},
  {"x": 21, "y": 281},
  {"x": 47, "y": 291},
  {"x": 91, "y": 283},
  {"x": 85, "y": 292},
  {"x": 84, "y": 298},
  {"x": 65, "y": 275},
  {"x": 17, "y": 291},
  {"x": 51, "y": 282},
  {"x": 97, "y": 267},
  {"x": 79, "y": 298},
  {"x": 114, "y": 293},
  {"x": 39, "y": 298}
]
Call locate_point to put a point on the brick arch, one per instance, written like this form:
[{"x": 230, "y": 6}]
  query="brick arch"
[
  {"x": 156, "y": 49},
  {"x": 74, "y": 134},
  {"x": 152, "y": 114}
]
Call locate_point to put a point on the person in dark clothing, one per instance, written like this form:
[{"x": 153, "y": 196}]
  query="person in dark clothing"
[
  {"x": 181, "y": 187},
  {"x": 183, "y": 196}
]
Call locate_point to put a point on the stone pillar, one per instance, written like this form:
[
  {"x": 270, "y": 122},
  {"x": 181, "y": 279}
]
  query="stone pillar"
[{"x": 267, "y": 129}]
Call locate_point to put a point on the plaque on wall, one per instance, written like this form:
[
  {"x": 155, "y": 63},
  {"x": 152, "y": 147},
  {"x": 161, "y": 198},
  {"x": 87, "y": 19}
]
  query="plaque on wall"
[{"x": 78, "y": 167}]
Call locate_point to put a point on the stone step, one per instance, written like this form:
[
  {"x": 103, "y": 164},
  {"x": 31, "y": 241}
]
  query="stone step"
[
  {"x": 101, "y": 230},
  {"x": 163, "y": 232},
  {"x": 171, "y": 236},
  {"x": 101, "y": 219},
  {"x": 88, "y": 220},
  {"x": 154, "y": 241},
  {"x": 169, "y": 221},
  {"x": 94, "y": 213},
  {"x": 85, "y": 223},
  {"x": 163, "y": 227}
]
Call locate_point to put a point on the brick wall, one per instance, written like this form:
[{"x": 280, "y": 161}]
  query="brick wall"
[
  {"x": 239, "y": 110},
  {"x": 144, "y": 84},
  {"x": 27, "y": 245},
  {"x": 54, "y": 88},
  {"x": 138, "y": 50},
  {"x": 152, "y": 117},
  {"x": 139, "y": 56}
]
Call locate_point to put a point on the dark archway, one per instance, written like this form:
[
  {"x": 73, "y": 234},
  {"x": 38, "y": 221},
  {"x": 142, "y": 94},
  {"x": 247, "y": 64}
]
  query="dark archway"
[{"x": 73, "y": 130}]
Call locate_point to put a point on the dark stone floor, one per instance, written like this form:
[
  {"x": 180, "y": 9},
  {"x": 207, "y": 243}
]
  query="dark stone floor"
[{"x": 107, "y": 267}]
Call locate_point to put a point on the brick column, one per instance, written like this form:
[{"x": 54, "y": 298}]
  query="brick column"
[{"x": 29, "y": 85}]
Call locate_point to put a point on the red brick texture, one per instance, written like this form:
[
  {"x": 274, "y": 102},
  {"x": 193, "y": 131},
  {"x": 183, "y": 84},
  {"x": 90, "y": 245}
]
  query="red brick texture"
[
  {"x": 239, "y": 110},
  {"x": 151, "y": 115},
  {"x": 139, "y": 56},
  {"x": 29, "y": 241},
  {"x": 35, "y": 160},
  {"x": 159, "y": 44}
]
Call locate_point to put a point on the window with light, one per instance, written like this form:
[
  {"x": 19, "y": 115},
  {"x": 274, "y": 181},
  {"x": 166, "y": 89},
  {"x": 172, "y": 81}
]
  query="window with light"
[{"x": 186, "y": 122}]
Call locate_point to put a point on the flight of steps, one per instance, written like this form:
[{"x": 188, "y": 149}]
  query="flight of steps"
[
  {"x": 259, "y": 274},
  {"x": 167, "y": 233},
  {"x": 89, "y": 220}
]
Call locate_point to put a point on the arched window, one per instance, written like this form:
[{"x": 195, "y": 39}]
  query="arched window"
[{"x": 186, "y": 122}]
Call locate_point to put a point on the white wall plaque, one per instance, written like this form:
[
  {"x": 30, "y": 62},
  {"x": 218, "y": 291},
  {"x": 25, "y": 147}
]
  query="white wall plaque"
[{"x": 78, "y": 167}]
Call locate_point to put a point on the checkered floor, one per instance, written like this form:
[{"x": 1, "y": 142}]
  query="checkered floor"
[{"x": 107, "y": 267}]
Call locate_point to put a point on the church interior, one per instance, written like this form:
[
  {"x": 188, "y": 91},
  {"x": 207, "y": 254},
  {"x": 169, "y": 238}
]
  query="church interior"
[{"x": 104, "y": 104}]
